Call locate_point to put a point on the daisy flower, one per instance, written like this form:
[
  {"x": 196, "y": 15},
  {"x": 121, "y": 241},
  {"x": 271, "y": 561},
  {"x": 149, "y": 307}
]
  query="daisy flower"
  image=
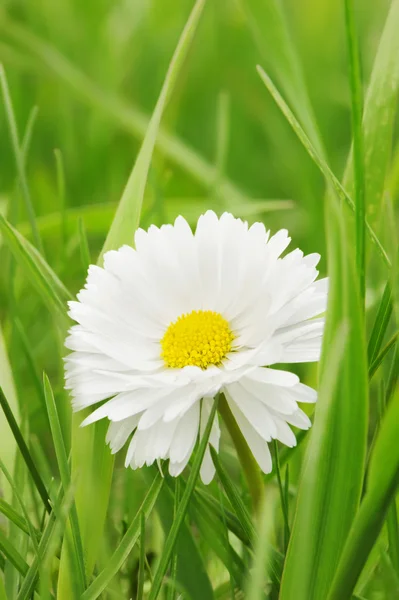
[{"x": 164, "y": 327}]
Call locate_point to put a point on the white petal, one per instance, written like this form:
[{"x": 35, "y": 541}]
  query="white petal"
[
  {"x": 256, "y": 443},
  {"x": 119, "y": 432}
]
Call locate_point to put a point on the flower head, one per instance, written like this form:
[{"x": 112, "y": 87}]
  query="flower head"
[{"x": 185, "y": 316}]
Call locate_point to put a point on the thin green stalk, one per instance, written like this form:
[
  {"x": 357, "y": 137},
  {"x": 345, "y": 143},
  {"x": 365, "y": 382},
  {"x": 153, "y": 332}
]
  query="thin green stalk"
[
  {"x": 282, "y": 490},
  {"x": 377, "y": 362},
  {"x": 12, "y": 554},
  {"x": 222, "y": 137},
  {"x": 77, "y": 556},
  {"x": 59, "y": 163},
  {"x": 183, "y": 506},
  {"x": 171, "y": 595},
  {"x": 84, "y": 245},
  {"x": 381, "y": 322},
  {"x": 247, "y": 460},
  {"x": 226, "y": 532},
  {"x": 393, "y": 536},
  {"x": 19, "y": 159},
  {"x": 358, "y": 145},
  {"x": 25, "y": 451},
  {"x": 140, "y": 584}
]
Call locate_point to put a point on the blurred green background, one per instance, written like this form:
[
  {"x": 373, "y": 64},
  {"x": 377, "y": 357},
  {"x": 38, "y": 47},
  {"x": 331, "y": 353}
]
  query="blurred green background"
[{"x": 87, "y": 75}]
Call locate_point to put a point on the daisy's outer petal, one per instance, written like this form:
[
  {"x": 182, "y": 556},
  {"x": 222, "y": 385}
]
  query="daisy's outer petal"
[
  {"x": 254, "y": 411},
  {"x": 207, "y": 471},
  {"x": 256, "y": 443},
  {"x": 118, "y": 433},
  {"x": 302, "y": 342},
  {"x": 184, "y": 440}
]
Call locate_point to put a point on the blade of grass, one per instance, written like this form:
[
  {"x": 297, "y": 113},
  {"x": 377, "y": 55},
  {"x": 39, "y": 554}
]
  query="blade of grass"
[
  {"x": 31, "y": 530},
  {"x": 51, "y": 289},
  {"x": 393, "y": 535},
  {"x": 174, "y": 531},
  {"x": 27, "y": 349},
  {"x": 319, "y": 161},
  {"x": 378, "y": 119},
  {"x": 173, "y": 571},
  {"x": 7, "y": 441},
  {"x": 19, "y": 159},
  {"x": 383, "y": 482},
  {"x": 326, "y": 504},
  {"x": 227, "y": 543},
  {"x": 269, "y": 28},
  {"x": 247, "y": 460},
  {"x": 61, "y": 508},
  {"x": 59, "y": 163},
  {"x": 256, "y": 583},
  {"x": 10, "y": 513},
  {"x": 126, "y": 545},
  {"x": 234, "y": 497},
  {"x": 140, "y": 583},
  {"x": 191, "y": 569},
  {"x": 214, "y": 537},
  {"x": 84, "y": 245},
  {"x": 232, "y": 521},
  {"x": 358, "y": 149},
  {"x": 380, "y": 325},
  {"x": 77, "y": 558},
  {"x": 377, "y": 362},
  {"x": 12, "y": 554},
  {"x": 127, "y": 216},
  {"x": 25, "y": 451},
  {"x": 283, "y": 497}
]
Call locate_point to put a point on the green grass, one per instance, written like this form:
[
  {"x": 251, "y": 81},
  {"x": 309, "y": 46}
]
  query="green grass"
[{"x": 115, "y": 115}]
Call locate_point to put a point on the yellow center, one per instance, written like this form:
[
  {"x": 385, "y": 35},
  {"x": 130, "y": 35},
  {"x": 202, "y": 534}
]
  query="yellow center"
[{"x": 200, "y": 338}]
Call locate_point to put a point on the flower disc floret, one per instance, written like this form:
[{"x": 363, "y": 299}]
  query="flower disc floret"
[{"x": 199, "y": 338}]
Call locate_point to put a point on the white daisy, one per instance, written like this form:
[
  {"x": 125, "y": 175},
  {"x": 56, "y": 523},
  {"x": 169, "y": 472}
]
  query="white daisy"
[{"x": 185, "y": 316}]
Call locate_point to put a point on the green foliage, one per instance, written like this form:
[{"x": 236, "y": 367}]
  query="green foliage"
[{"x": 116, "y": 115}]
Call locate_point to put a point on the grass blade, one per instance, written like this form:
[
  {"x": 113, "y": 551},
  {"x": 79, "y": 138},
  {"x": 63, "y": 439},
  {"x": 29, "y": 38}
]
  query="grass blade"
[
  {"x": 232, "y": 521},
  {"x": 7, "y": 440},
  {"x": 127, "y": 543},
  {"x": 31, "y": 530},
  {"x": 283, "y": 498},
  {"x": 234, "y": 497},
  {"x": 377, "y": 362},
  {"x": 19, "y": 159},
  {"x": 174, "y": 531},
  {"x": 127, "y": 216},
  {"x": 62, "y": 459},
  {"x": 84, "y": 245},
  {"x": 191, "y": 569},
  {"x": 8, "y": 511},
  {"x": 358, "y": 150},
  {"x": 140, "y": 583},
  {"x": 12, "y": 554},
  {"x": 326, "y": 505},
  {"x": 382, "y": 485},
  {"x": 25, "y": 451},
  {"x": 318, "y": 160},
  {"x": 270, "y": 30},
  {"x": 378, "y": 119},
  {"x": 380, "y": 324},
  {"x": 51, "y": 289},
  {"x": 257, "y": 581}
]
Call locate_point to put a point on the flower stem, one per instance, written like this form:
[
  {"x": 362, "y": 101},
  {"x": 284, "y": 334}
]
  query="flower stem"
[{"x": 247, "y": 460}]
